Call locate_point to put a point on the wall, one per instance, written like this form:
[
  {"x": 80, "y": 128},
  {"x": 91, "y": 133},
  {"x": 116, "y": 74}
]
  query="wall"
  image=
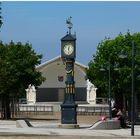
[{"x": 55, "y": 69}]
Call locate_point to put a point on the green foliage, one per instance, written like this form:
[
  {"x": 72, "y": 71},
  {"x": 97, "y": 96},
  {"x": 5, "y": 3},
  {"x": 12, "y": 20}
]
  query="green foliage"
[
  {"x": 17, "y": 68},
  {"x": 111, "y": 49}
]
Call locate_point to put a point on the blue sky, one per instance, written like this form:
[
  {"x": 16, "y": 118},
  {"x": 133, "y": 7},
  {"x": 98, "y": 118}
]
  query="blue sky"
[{"x": 43, "y": 24}]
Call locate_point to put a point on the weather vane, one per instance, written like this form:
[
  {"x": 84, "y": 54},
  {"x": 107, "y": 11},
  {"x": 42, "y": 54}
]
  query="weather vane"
[{"x": 69, "y": 24}]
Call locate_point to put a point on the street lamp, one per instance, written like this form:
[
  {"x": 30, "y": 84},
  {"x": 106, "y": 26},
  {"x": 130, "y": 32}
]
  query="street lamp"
[
  {"x": 132, "y": 90},
  {"x": 109, "y": 86},
  {"x": 0, "y": 17},
  {"x": 132, "y": 95}
]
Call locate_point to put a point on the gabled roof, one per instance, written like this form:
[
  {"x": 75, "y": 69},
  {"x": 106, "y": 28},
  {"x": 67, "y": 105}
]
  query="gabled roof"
[
  {"x": 59, "y": 58},
  {"x": 69, "y": 37}
]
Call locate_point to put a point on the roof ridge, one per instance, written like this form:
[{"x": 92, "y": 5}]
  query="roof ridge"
[{"x": 54, "y": 59}]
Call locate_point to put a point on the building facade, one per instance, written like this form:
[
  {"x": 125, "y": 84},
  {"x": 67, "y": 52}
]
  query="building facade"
[{"x": 53, "y": 88}]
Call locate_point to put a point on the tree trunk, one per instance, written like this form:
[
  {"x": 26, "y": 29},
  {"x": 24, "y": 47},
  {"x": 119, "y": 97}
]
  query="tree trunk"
[
  {"x": 6, "y": 112},
  {"x": 119, "y": 100}
]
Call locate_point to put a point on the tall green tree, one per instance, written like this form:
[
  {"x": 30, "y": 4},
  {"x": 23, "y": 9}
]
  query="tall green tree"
[
  {"x": 17, "y": 71},
  {"x": 120, "y": 79}
]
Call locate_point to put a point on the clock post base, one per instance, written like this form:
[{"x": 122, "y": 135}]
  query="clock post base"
[{"x": 68, "y": 114}]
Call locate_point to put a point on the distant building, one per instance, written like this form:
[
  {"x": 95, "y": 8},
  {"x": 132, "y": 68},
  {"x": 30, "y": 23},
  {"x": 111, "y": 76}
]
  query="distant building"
[{"x": 52, "y": 89}]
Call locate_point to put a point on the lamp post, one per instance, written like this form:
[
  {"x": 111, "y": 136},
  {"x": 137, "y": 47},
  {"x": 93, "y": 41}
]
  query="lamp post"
[
  {"x": 0, "y": 17},
  {"x": 132, "y": 90},
  {"x": 109, "y": 86},
  {"x": 109, "y": 92},
  {"x": 132, "y": 94}
]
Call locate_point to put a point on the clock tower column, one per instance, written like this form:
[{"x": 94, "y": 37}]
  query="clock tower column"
[{"x": 68, "y": 55}]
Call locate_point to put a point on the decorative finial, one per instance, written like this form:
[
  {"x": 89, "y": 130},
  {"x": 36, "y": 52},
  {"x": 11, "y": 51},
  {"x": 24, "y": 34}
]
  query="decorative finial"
[
  {"x": 69, "y": 24},
  {"x": 75, "y": 34}
]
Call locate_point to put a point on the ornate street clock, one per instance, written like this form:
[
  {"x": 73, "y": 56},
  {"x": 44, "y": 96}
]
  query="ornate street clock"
[{"x": 68, "y": 55}]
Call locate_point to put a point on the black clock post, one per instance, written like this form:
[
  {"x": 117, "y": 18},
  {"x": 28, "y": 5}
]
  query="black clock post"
[{"x": 68, "y": 55}]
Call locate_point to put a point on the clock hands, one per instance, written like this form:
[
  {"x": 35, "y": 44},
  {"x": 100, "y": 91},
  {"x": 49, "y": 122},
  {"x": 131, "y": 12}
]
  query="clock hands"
[{"x": 68, "y": 48}]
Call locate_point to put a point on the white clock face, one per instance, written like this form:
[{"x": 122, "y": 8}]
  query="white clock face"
[{"x": 68, "y": 49}]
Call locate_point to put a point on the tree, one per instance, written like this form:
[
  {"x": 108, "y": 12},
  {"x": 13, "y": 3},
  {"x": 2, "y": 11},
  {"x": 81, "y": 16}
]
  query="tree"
[
  {"x": 121, "y": 79},
  {"x": 17, "y": 71}
]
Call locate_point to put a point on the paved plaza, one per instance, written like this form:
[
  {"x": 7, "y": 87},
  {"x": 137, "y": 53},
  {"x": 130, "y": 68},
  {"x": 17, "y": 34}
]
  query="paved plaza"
[{"x": 45, "y": 129}]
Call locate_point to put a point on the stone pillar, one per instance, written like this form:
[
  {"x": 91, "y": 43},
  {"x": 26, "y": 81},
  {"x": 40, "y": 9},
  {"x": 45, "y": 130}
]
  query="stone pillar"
[
  {"x": 91, "y": 93},
  {"x": 31, "y": 94}
]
